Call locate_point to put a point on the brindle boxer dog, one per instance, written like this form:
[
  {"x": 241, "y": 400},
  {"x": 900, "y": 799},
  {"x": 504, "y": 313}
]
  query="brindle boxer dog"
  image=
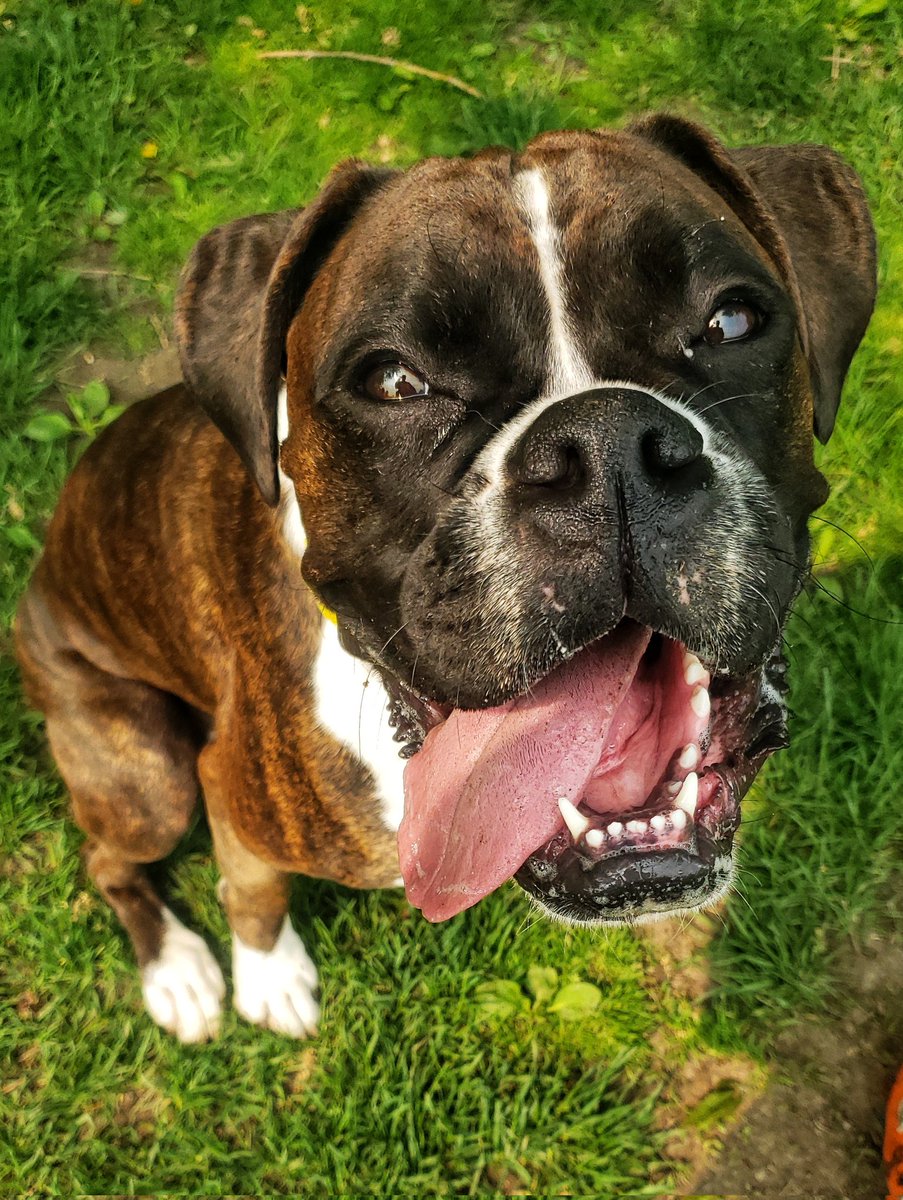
[{"x": 534, "y": 495}]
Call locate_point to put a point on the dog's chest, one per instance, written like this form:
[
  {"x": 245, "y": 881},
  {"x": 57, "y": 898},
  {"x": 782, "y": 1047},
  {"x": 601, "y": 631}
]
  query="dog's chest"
[{"x": 351, "y": 704}]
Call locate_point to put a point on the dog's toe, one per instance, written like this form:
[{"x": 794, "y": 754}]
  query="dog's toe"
[
  {"x": 275, "y": 988},
  {"x": 183, "y": 986}
]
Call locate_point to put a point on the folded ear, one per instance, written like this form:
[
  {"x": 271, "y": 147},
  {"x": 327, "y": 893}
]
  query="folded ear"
[
  {"x": 806, "y": 208},
  {"x": 821, "y": 209},
  {"x": 239, "y": 292}
]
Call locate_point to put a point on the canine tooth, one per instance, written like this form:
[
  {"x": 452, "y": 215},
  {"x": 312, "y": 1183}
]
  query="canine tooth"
[
  {"x": 615, "y": 829},
  {"x": 636, "y": 826},
  {"x": 686, "y": 797},
  {"x": 689, "y": 757},
  {"x": 594, "y": 838},
  {"x": 694, "y": 672},
  {"x": 659, "y": 822},
  {"x": 679, "y": 819},
  {"x": 575, "y": 820},
  {"x": 700, "y": 702}
]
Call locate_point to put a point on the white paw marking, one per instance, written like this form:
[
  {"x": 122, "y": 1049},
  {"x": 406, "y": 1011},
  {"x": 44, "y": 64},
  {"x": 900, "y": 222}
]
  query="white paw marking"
[
  {"x": 183, "y": 987},
  {"x": 275, "y": 988}
]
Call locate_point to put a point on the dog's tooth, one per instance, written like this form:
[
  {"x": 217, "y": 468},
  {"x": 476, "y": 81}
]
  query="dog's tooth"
[
  {"x": 636, "y": 827},
  {"x": 679, "y": 819},
  {"x": 673, "y": 787},
  {"x": 659, "y": 822},
  {"x": 689, "y": 757},
  {"x": 615, "y": 829},
  {"x": 594, "y": 838},
  {"x": 694, "y": 671},
  {"x": 688, "y": 794},
  {"x": 701, "y": 703},
  {"x": 573, "y": 818}
]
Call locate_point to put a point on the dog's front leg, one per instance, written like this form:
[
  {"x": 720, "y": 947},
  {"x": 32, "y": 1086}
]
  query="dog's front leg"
[{"x": 274, "y": 981}]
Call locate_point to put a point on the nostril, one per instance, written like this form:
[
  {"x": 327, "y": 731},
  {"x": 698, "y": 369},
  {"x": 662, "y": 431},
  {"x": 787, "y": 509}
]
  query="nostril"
[
  {"x": 667, "y": 450},
  {"x": 559, "y": 466}
]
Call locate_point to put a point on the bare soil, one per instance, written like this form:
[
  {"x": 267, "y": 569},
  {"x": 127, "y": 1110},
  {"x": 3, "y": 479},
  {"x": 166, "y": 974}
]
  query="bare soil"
[
  {"x": 816, "y": 1130},
  {"x": 127, "y": 379}
]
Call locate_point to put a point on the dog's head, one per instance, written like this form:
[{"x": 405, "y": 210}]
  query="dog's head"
[{"x": 549, "y": 424}]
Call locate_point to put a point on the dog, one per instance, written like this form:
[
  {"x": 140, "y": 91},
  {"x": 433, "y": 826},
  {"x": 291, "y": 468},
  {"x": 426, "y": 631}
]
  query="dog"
[{"x": 464, "y": 551}]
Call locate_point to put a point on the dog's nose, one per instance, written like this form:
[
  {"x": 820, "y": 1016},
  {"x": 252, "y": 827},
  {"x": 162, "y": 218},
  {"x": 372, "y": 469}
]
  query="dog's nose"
[{"x": 584, "y": 451}]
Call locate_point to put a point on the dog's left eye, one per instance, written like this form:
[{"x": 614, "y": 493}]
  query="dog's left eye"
[
  {"x": 395, "y": 381},
  {"x": 730, "y": 323}
]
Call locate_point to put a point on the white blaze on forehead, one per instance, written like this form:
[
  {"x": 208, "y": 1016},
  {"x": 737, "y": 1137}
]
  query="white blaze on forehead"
[{"x": 568, "y": 371}]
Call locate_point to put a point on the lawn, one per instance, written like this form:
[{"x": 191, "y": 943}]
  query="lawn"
[{"x": 451, "y": 1059}]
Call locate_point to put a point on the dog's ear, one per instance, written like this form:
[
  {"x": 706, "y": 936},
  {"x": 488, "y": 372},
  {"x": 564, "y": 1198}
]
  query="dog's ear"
[
  {"x": 239, "y": 292},
  {"x": 806, "y": 208}
]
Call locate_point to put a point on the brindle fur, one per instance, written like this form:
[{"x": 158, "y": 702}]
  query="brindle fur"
[{"x": 168, "y": 635}]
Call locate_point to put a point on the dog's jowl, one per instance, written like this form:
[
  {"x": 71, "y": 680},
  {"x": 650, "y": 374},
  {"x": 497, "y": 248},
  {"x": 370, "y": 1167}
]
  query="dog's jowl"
[{"x": 464, "y": 551}]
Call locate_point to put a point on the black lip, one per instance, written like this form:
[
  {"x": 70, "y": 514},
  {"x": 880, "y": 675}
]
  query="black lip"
[{"x": 635, "y": 882}]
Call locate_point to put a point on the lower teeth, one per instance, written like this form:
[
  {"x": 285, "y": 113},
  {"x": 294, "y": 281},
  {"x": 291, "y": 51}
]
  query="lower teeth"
[{"x": 616, "y": 834}]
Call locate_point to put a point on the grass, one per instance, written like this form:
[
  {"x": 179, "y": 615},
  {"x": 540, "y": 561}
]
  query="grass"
[{"x": 443, "y": 1066}]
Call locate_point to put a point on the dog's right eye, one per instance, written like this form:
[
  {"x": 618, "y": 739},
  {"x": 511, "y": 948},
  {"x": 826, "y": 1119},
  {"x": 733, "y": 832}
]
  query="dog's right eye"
[
  {"x": 395, "y": 381},
  {"x": 731, "y": 323}
]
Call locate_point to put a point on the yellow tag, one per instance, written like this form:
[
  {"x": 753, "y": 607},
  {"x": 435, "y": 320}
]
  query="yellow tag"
[{"x": 327, "y": 613}]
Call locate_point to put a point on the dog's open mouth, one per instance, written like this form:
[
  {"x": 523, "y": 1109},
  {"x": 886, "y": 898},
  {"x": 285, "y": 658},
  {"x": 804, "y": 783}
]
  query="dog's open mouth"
[{"x": 610, "y": 790}]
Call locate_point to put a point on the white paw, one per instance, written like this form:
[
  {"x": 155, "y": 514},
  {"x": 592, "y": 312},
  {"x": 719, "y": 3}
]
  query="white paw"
[
  {"x": 183, "y": 987},
  {"x": 275, "y": 988}
]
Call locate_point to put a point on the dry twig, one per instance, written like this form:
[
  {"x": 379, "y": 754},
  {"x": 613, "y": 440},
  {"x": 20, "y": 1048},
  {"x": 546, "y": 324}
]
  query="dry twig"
[{"x": 396, "y": 64}]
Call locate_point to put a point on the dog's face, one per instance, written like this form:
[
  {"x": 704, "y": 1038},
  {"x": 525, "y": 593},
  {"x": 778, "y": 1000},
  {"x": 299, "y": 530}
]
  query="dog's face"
[{"x": 549, "y": 423}]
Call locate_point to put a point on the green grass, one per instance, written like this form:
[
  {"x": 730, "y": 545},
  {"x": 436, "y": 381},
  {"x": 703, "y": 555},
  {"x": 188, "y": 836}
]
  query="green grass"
[{"x": 438, "y": 1070}]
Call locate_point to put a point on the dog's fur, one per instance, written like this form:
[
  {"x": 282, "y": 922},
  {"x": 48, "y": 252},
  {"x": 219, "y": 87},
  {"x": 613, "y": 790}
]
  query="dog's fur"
[{"x": 171, "y": 633}]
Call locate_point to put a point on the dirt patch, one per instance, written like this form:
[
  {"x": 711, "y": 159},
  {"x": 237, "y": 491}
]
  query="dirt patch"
[
  {"x": 816, "y": 1130},
  {"x": 812, "y": 1123},
  {"x": 128, "y": 379}
]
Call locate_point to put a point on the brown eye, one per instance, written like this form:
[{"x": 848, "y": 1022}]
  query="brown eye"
[
  {"x": 395, "y": 381},
  {"x": 730, "y": 323}
]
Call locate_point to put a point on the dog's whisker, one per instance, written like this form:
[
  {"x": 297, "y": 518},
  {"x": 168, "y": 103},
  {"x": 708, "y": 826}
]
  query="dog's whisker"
[
  {"x": 777, "y": 624},
  {"x": 728, "y": 400},
  {"x": 846, "y": 533},
  {"x": 475, "y": 412},
  {"x": 391, "y": 639}
]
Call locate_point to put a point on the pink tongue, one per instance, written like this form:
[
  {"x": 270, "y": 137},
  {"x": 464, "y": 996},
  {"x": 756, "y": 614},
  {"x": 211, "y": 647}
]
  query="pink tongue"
[{"x": 482, "y": 794}]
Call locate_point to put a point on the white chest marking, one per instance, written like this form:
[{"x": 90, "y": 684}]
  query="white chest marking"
[
  {"x": 568, "y": 371},
  {"x": 351, "y": 702},
  {"x": 353, "y": 706}
]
